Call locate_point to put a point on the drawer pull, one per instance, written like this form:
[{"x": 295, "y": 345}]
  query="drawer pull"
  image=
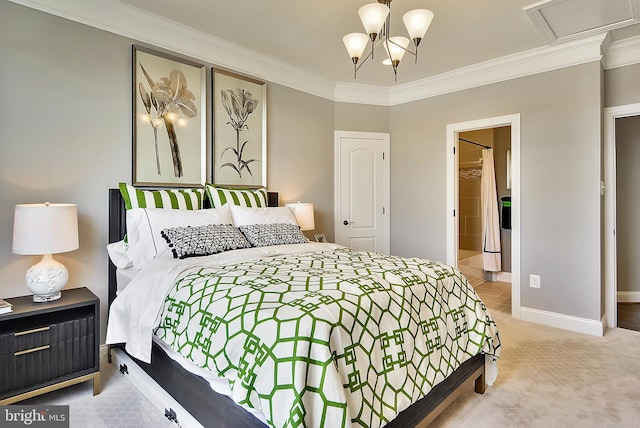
[
  {"x": 35, "y": 330},
  {"x": 28, "y": 351}
]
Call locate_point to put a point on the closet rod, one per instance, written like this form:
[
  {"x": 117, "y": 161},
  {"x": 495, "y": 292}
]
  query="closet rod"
[{"x": 473, "y": 142}]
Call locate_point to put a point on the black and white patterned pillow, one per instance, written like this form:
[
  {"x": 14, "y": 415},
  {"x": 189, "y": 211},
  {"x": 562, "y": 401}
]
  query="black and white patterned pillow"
[
  {"x": 262, "y": 235},
  {"x": 203, "y": 240}
]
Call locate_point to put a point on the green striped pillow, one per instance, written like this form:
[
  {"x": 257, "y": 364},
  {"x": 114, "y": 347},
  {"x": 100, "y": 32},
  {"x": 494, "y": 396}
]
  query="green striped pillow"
[
  {"x": 186, "y": 199},
  {"x": 253, "y": 198}
]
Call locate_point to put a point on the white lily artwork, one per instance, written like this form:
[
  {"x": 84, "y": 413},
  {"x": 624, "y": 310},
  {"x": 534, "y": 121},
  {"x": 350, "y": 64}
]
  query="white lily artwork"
[
  {"x": 169, "y": 121},
  {"x": 239, "y": 130}
]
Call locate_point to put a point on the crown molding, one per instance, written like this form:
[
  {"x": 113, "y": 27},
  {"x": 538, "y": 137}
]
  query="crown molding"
[
  {"x": 122, "y": 19},
  {"x": 509, "y": 67},
  {"x": 622, "y": 53},
  {"x": 128, "y": 21},
  {"x": 362, "y": 94}
]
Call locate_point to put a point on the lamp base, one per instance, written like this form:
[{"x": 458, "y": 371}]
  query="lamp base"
[
  {"x": 39, "y": 298},
  {"x": 46, "y": 278}
]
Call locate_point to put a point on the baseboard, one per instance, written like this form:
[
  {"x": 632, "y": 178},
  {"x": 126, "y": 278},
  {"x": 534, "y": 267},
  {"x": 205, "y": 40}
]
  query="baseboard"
[
  {"x": 104, "y": 350},
  {"x": 504, "y": 276},
  {"x": 628, "y": 296},
  {"x": 497, "y": 276},
  {"x": 150, "y": 389},
  {"x": 565, "y": 322}
]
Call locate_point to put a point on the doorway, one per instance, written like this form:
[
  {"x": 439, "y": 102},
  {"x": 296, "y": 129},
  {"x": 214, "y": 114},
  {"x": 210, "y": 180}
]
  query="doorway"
[
  {"x": 471, "y": 169},
  {"x": 454, "y": 131},
  {"x": 627, "y": 118}
]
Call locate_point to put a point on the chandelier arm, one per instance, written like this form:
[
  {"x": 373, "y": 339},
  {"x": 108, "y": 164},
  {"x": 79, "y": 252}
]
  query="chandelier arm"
[
  {"x": 361, "y": 62},
  {"x": 404, "y": 49}
]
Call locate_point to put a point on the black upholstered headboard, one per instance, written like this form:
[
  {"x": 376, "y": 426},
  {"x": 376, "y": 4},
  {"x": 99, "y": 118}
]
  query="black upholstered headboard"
[{"x": 118, "y": 228}]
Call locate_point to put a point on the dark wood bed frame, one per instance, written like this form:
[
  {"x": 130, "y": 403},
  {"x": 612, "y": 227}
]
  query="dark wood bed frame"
[{"x": 196, "y": 396}]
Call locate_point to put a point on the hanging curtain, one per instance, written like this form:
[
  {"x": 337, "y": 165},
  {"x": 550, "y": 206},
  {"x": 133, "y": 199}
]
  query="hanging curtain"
[{"x": 491, "y": 257}]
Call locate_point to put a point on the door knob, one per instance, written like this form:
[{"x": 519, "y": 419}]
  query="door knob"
[{"x": 345, "y": 222}]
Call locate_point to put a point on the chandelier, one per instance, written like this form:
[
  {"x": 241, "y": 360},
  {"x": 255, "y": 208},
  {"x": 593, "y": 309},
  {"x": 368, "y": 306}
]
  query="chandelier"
[{"x": 376, "y": 18}]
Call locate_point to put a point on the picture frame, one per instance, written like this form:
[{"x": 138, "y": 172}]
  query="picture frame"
[
  {"x": 169, "y": 104},
  {"x": 239, "y": 153},
  {"x": 319, "y": 237}
]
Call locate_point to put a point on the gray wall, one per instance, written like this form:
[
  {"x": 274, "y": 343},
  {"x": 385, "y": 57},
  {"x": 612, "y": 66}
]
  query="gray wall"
[
  {"x": 361, "y": 117},
  {"x": 65, "y": 136},
  {"x": 628, "y": 202},
  {"x": 300, "y": 152},
  {"x": 560, "y": 175},
  {"x": 621, "y": 86}
]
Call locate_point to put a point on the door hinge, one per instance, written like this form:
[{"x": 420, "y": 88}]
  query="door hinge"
[
  {"x": 382, "y": 155},
  {"x": 454, "y": 150},
  {"x": 171, "y": 415},
  {"x": 383, "y": 211},
  {"x": 454, "y": 213}
]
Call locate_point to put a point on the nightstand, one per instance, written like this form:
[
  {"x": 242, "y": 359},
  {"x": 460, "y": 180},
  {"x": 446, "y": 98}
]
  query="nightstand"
[{"x": 48, "y": 346}]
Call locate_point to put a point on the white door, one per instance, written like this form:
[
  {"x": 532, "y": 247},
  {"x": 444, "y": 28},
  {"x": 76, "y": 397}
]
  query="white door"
[{"x": 362, "y": 190}]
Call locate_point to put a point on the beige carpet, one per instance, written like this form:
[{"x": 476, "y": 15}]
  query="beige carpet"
[
  {"x": 554, "y": 378},
  {"x": 548, "y": 378},
  {"x": 119, "y": 403}
]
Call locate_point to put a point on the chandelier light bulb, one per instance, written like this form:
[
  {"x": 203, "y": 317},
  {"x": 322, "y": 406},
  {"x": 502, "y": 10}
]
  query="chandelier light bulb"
[
  {"x": 417, "y": 22},
  {"x": 396, "y": 48},
  {"x": 373, "y": 17},
  {"x": 355, "y": 44}
]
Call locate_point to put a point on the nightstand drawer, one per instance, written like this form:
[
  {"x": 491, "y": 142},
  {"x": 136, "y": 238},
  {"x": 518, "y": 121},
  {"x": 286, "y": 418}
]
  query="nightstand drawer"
[
  {"x": 32, "y": 339},
  {"x": 43, "y": 353}
]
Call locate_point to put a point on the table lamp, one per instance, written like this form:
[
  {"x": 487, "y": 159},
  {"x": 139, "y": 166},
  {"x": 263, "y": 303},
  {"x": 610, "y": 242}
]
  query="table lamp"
[
  {"x": 304, "y": 215},
  {"x": 45, "y": 229}
]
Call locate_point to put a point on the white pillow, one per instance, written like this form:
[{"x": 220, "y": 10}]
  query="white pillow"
[
  {"x": 245, "y": 216},
  {"x": 145, "y": 224},
  {"x": 118, "y": 254}
]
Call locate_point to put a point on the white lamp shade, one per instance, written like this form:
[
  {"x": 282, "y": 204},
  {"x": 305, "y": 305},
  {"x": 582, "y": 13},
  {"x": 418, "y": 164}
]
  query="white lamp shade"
[
  {"x": 417, "y": 22},
  {"x": 396, "y": 52},
  {"x": 304, "y": 215},
  {"x": 45, "y": 228},
  {"x": 373, "y": 16},
  {"x": 355, "y": 44}
]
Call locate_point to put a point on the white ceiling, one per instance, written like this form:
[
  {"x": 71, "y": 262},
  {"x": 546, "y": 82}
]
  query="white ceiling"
[{"x": 308, "y": 34}]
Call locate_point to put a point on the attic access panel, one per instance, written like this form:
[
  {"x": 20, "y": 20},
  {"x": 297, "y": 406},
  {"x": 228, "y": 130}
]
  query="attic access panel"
[{"x": 564, "y": 20}]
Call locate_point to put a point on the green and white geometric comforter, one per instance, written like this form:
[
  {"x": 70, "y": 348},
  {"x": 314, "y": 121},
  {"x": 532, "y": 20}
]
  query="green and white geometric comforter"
[{"x": 331, "y": 338}]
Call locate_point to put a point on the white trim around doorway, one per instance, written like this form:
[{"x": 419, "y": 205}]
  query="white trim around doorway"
[
  {"x": 611, "y": 294},
  {"x": 453, "y": 130}
]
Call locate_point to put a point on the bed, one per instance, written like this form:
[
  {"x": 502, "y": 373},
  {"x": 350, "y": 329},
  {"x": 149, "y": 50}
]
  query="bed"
[{"x": 308, "y": 391}]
